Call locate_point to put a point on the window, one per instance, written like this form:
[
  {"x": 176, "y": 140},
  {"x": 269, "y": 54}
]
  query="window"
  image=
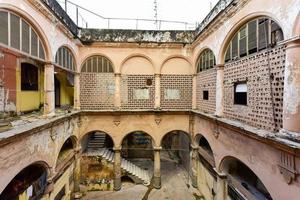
[
  {"x": 172, "y": 94},
  {"x": 29, "y": 77},
  {"x": 141, "y": 94},
  {"x": 205, "y": 95},
  {"x": 240, "y": 93},
  {"x": 97, "y": 64},
  {"x": 19, "y": 34},
  {"x": 65, "y": 58},
  {"x": 256, "y": 35},
  {"x": 206, "y": 60}
]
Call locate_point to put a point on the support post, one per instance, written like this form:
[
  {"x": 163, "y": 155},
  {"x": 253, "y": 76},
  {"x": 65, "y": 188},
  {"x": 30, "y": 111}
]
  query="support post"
[
  {"x": 194, "y": 166},
  {"x": 221, "y": 190},
  {"x": 194, "y": 92},
  {"x": 117, "y": 169},
  {"x": 157, "y": 91},
  {"x": 291, "y": 98},
  {"x": 157, "y": 173},
  {"x": 77, "y": 91},
  {"x": 49, "y": 102},
  {"x": 77, "y": 171},
  {"x": 220, "y": 91},
  {"x": 117, "y": 91}
]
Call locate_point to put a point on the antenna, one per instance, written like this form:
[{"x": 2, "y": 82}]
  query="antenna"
[{"x": 155, "y": 13}]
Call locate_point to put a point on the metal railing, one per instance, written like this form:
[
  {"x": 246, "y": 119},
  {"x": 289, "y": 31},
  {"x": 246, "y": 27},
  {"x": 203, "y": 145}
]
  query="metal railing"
[
  {"x": 81, "y": 16},
  {"x": 62, "y": 15},
  {"x": 218, "y": 8}
]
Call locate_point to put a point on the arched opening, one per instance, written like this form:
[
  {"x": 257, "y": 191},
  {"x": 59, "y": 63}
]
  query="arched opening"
[
  {"x": 137, "y": 153},
  {"x": 206, "y": 60},
  {"x": 97, "y": 161},
  {"x": 206, "y": 175},
  {"x": 242, "y": 181},
  {"x": 175, "y": 156},
  {"x": 30, "y": 183},
  {"x": 66, "y": 153},
  {"x": 97, "y": 84}
]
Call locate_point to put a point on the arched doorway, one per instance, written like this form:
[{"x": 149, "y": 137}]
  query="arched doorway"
[
  {"x": 30, "y": 183},
  {"x": 137, "y": 153},
  {"x": 175, "y": 155},
  {"x": 206, "y": 175},
  {"x": 97, "y": 161},
  {"x": 242, "y": 181}
]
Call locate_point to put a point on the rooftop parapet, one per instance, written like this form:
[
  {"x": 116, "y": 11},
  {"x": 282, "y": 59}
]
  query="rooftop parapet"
[{"x": 136, "y": 36}]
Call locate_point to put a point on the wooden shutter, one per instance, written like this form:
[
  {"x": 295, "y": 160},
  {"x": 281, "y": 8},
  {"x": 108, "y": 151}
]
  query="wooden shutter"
[
  {"x": 228, "y": 53},
  {"x": 252, "y": 36},
  {"x": 14, "y": 31},
  {"x": 263, "y": 33},
  {"x": 4, "y": 27},
  {"x": 243, "y": 41},
  {"x": 34, "y": 43},
  {"x": 234, "y": 46},
  {"x": 25, "y": 37}
]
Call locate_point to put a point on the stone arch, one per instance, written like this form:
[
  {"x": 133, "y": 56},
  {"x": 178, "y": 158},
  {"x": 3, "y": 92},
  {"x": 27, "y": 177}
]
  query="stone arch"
[
  {"x": 173, "y": 131},
  {"x": 205, "y": 148},
  {"x": 72, "y": 52},
  {"x": 197, "y": 54},
  {"x": 96, "y": 54},
  {"x": 37, "y": 28},
  {"x": 74, "y": 141},
  {"x": 296, "y": 26},
  {"x": 44, "y": 165},
  {"x": 244, "y": 19},
  {"x": 96, "y": 130},
  {"x": 137, "y": 59},
  {"x": 177, "y": 64},
  {"x": 231, "y": 166},
  {"x": 127, "y": 134}
]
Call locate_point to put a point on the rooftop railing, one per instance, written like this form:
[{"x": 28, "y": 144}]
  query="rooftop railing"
[{"x": 82, "y": 18}]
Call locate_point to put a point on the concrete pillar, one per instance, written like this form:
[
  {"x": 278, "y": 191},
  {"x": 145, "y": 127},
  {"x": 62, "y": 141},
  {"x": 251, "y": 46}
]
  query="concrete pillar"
[
  {"x": 291, "y": 99},
  {"x": 117, "y": 169},
  {"x": 77, "y": 171},
  {"x": 157, "y": 173},
  {"x": 194, "y": 92},
  {"x": 221, "y": 190},
  {"x": 157, "y": 91},
  {"x": 194, "y": 166},
  {"x": 220, "y": 90},
  {"x": 77, "y": 91},
  {"x": 49, "y": 102},
  {"x": 117, "y": 91}
]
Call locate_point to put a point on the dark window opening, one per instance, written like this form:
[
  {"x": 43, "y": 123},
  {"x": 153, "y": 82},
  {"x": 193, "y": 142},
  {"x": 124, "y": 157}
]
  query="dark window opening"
[
  {"x": 205, "y": 95},
  {"x": 149, "y": 82},
  {"x": 203, "y": 143},
  {"x": 29, "y": 77},
  {"x": 240, "y": 94}
]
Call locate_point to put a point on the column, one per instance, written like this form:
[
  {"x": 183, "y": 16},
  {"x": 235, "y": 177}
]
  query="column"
[
  {"x": 194, "y": 92},
  {"x": 77, "y": 171},
  {"x": 157, "y": 91},
  {"x": 194, "y": 165},
  {"x": 117, "y": 91},
  {"x": 291, "y": 99},
  {"x": 77, "y": 91},
  {"x": 49, "y": 102},
  {"x": 221, "y": 190},
  {"x": 220, "y": 90},
  {"x": 117, "y": 169},
  {"x": 50, "y": 185},
  {"x": 157, "y": 174}
]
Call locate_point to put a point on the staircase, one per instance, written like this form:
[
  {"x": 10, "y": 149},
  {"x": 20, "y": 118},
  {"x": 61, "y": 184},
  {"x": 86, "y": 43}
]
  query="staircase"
[
  {"x": 138, "y": 174},
  {"x": 96, "y": 141}
]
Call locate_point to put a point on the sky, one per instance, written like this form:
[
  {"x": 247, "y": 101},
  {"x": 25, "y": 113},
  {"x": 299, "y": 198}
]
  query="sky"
[{"x": 190, "y": 11}]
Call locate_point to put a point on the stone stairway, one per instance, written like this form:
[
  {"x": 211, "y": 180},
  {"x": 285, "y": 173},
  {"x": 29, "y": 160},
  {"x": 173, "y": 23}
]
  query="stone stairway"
[
  {"x": 138, "y": 174},
  {"x": 96, "y": 142}
]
